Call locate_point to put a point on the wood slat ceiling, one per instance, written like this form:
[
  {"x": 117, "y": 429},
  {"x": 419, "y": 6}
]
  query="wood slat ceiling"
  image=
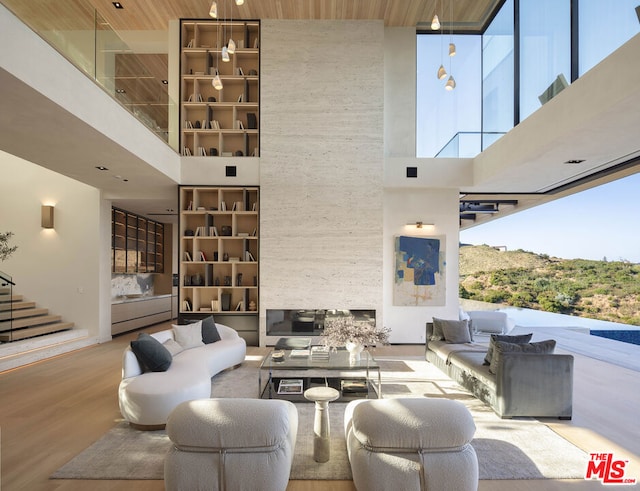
[{"x": 470, "y": 15}]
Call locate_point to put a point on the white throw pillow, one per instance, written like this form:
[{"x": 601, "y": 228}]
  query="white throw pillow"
[
  {"x": 173, "y": 347},
  {"x": 189, "y": 335}
]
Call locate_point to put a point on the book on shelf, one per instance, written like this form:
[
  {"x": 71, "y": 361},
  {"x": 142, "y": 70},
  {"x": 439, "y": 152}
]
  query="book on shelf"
[
  {"x": 190, "y": 206},
  {"x": 186, "y": 151},
  {"x": 234, "y": 259},
  {"x": 238, "y": 206},
  {"x": 188, "y": 125},
  {"x": 215, "y": 305},
  {"x": 243, "y": 234},
  {"x": 239, "y": 71},
  {"x": 187, "y": 256},
  {"x": 290, "y": 386},
  {"x": 186, "y": 305},
  {"x": 248, "y": 257},
  {"x": 191, "y": 43},
  {"x": 223, "y": 206},
  {"x": 202, "y": 256},
  {"x": 240, "y": 306},
  {"x": 200, "y": 208},
  {"x": 241, "y": 98},
  {"x": 205, "y": 309},
  {"x": 299, "y": 353},
  {"x": 213, "y": 231}
]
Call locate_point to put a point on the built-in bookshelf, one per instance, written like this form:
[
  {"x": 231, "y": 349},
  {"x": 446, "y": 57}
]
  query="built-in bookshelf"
[
  {"x": 219, "y": 246},
  {"x": 137, "y": 243},
  {"x": 220, "y": 122}
]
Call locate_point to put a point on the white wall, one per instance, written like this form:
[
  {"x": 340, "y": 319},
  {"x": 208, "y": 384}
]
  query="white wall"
[
  {"x": 321, "y": 170},
  {"x": 403, "y": 206},
  {"x": 57, "y": 268}
]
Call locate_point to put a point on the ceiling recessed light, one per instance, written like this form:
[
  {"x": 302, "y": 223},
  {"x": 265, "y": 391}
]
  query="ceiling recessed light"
[
  {"x": 120, "y": 91},
  {"x": 101, "y": 167},
  {"x": 117, "y": 5},
  {"x": 574, "y": 161},
  {"x": 170, "y": 210},
  {"x": 165, "y": 82}
]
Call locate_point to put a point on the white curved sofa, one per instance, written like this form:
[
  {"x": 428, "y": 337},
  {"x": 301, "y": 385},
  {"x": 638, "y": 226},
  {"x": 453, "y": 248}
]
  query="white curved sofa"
[{"x": 146, "y": 399}]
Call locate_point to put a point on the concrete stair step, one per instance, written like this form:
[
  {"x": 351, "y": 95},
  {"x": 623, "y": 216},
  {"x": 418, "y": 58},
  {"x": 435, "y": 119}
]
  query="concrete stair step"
[{"x": 30, "y": 332}]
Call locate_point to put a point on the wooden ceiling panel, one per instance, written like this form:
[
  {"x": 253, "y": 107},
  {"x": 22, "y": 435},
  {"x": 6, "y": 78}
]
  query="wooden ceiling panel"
[{"x": 155, "y": 14}]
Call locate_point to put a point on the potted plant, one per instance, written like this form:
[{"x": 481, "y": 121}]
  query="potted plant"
[
  {"x": 5, "y": 250},
  {"x": 353, "y": 334}
]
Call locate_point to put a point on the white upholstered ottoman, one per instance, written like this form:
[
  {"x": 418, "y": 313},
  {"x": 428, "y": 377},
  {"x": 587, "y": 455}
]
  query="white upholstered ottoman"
[
  {"x": 411, "y": 444},
  {"x": 231, "y": 444}
]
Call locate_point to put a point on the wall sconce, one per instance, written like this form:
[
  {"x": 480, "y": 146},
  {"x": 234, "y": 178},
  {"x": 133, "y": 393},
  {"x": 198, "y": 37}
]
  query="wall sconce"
[
  {"x": 419, "y": 224},
  {"x": 47, "y": 216}
]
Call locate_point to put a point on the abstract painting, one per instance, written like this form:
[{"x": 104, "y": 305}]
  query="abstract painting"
[{"x": 419, "y": 271}]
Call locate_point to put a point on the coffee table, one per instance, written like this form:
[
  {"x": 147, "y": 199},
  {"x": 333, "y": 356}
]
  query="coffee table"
[{"x": 353, "y": 380}]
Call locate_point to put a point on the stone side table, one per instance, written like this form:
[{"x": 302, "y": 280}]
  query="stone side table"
[{"x": 321, "y": 439}]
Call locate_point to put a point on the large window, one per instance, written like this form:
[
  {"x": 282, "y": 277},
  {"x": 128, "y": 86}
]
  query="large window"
[
  {"x": 604, "y": 27},
  {"x": 545, "y": 52},
  {"x": 497, "y": 73},
  {"x": 489, "y": 99},
  {"x": 447, "y": 119}
]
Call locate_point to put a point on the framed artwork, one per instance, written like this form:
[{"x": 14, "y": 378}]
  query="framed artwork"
[{"x": 420, "y": 267}]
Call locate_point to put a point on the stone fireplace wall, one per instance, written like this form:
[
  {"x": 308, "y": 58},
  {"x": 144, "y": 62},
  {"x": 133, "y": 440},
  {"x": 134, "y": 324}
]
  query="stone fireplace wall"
[{"x": 321, "y": 166}]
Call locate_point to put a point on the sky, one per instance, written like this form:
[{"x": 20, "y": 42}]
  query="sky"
[{"x": 601, "y": 222}]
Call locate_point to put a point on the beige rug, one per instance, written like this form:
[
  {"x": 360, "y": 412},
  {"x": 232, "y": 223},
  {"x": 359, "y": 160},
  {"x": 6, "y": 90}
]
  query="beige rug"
[{"x": 520, "y": 448}]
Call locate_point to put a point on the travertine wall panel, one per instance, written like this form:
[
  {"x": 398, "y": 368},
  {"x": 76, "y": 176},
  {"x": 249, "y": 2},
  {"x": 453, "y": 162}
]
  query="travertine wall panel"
[{"x": 321, "y": 165}]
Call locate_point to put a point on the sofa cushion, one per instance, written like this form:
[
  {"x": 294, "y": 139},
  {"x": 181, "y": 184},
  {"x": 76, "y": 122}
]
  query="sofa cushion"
[
  {"x": 210, "y": 332},
  {"x": 456, "y": 332},
  {"x": 500, "y": 348},
  {"x": 452, "y": 325},
  {"x": 189, "y": 336},
  {"x": 173, "y": 347},
  {"x": 516, "y": 339},
  {"x": 151, "y": 354}
]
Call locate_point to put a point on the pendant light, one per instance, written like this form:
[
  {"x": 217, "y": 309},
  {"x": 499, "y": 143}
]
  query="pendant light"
[
  {"x": 213, "y": 11},
  {"x": 225, "y": 54},
  {"x": 216, "y": 82},
  {"x": 451, "y": 83},
  {"x": 239, "y": 2},
  {"x": 442, "y": 73},
  {"x": 435, "y": 23}
]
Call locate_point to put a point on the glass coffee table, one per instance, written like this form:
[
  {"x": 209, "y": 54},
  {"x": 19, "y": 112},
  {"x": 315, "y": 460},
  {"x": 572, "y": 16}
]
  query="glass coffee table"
[{"x": 288, "y": 377}]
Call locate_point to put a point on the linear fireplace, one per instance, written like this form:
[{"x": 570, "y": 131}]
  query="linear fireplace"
[{"x": 308, "y": 322}]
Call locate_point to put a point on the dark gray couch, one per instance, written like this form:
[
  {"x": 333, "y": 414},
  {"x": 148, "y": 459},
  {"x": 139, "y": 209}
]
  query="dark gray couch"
[{"x": 525, "y": 384}]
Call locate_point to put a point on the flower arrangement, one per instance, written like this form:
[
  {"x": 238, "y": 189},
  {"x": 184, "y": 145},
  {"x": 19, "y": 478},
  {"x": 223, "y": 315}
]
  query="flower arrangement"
[{"x": 338, "y": 331}]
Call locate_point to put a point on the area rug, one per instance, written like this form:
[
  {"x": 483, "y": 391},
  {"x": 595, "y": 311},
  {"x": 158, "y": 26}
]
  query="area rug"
[{"x": 519, "y": 448}]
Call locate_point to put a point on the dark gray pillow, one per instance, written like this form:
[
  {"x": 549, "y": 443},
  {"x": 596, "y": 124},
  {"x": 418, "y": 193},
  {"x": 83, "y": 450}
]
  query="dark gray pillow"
[
  {"x": 456, "y": 332},
  {"x": 210, "y": 332},
  {"x": 516, "y": 339},
  {"x": 151, "y": 354},
  {"x": 438, "y": 328},
  {"x": 541, "y": 347}
]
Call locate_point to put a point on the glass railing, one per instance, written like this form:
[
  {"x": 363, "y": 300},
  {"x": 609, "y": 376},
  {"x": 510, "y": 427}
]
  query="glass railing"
[
  {"x": 6, "y": 307},
  {"x": 468, "y": 144},
  {"x": 138, "y": 81}
]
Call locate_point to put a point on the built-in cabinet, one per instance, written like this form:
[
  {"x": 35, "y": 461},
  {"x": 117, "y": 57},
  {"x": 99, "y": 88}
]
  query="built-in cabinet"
[
  {"x": 137, "y": 243},
  {"x": 219, "y": 254},
  {"x": 220, "y": 121}
]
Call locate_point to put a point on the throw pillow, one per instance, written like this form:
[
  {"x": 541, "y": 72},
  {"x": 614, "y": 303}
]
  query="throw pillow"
[
  {"x": 541, "y": 347},
  {"x": 189, "y": 335},
  {"x": 456, "y": 332},
  {"x": 438, "y": 333},
  {"x": 210, "y": 332},
  {"x": 173, "y": 347},
  {"x": 151, "y": 354},
  {"x": 516, "y": 339}
]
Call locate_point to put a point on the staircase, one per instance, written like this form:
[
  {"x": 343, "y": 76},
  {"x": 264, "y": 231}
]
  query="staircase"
[{"x": 21, "y": 319}]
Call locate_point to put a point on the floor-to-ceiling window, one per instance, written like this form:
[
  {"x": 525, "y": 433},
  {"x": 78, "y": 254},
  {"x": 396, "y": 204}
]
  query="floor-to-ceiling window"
[
  {"x": 604, "y": 27},
  {"x": 448, "y": 121},
  {"x": 497, "y": 75},
  {"x": 545, "y": 52}
]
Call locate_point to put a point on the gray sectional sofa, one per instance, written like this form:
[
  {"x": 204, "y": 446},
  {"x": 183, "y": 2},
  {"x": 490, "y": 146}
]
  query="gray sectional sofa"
[{"x": 523, "y": 384}]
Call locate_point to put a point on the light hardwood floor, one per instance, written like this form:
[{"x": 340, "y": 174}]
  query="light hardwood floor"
[{"x": 51, "y": 410}]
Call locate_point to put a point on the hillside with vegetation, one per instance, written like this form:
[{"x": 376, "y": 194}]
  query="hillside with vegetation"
[{"x": 604, "y": 290}]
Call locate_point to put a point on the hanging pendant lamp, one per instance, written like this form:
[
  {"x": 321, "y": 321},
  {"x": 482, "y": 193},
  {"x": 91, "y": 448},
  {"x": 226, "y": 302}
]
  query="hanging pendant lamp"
[
  {"x": 451, "y": 83},
  {"x": 435, "y": 23},
  {"x": 442, "y": 73},
  {"x": 213, "y": 11}
]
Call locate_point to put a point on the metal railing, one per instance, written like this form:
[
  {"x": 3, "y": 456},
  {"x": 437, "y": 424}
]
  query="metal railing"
[{"x": 6, "y": 307}]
